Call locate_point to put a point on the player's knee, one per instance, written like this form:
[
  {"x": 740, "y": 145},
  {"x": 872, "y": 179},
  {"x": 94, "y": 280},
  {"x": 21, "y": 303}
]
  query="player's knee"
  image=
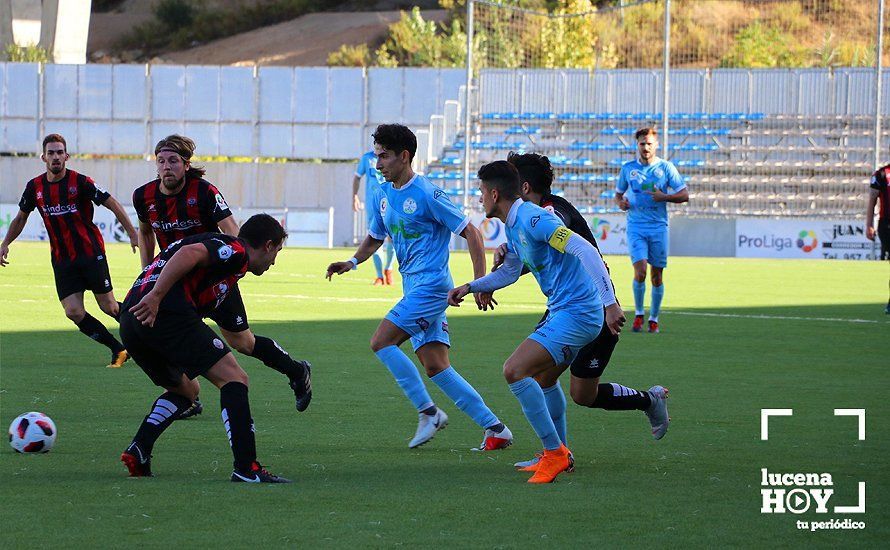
[
  {"x": 110, "y": 309},
  {"x": 512, "y": 372},
  {"x": 75, "y": 313},
  {"x": 656, "y": 278},
  {"x": 582, "y": 397}
]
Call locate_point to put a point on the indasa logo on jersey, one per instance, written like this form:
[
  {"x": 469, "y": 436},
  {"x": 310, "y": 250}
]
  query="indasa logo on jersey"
[
  {"x": 60, "y": 209},
  {"x": 181, "y": 225}
]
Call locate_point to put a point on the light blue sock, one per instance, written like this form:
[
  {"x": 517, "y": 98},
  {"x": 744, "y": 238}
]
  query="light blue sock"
[
  {"x": 657, "y": 295},
  {"x": 378, "y": 264},
  {"x": 556, "y": 406},
  {"x": 531, "y": 398},
  {"x": 639, "y": 295},
  {"x": 406, "y": 376},
  {"x": 390, "y": 254},
  {"x": 465, "y": 397}
]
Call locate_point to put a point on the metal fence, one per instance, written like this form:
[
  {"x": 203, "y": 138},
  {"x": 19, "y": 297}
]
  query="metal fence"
[
  {"x": 302, "y": 112},
  {"x": 575, "y": 85}
]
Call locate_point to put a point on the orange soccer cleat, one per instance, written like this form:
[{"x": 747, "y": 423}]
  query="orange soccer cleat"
[
  {"x": 387, "y": 276},
  {"x": 551, "y": 465}
]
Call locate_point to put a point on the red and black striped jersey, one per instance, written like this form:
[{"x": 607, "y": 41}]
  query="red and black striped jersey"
[
  {"x": 205, "y": 287},
  {"x": 67, "y": 210},
  {"x": 197, "y": 208},
  {"x": 879, "y": 182}
]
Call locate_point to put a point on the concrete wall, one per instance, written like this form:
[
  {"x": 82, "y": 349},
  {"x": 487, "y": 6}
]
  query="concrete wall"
[{"x": 245, "y": 185}]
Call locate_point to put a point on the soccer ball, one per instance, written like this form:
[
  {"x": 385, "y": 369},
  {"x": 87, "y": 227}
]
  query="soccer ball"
[{"x": 32, "y": 432}]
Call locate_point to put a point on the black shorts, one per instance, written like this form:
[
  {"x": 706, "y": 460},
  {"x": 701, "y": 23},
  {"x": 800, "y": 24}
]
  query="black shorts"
[
  {"x": 594, "y": 357},
  {"x": 178, "y": 343},
  {"x": 884, "y": 235},
  {"x": 82, "y": 274},
  {"x": 230, "y": 315}
]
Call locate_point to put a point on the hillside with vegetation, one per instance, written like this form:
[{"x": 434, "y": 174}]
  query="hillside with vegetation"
[{"x": 705, "y": 33}]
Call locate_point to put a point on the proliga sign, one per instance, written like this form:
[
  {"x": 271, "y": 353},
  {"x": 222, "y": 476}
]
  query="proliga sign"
[{"x": 804, "y": 238}]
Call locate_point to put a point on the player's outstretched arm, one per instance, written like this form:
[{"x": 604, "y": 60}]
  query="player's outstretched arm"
[
  {"x": 870, "y": 214},
  {"x": 228, "y": 226},
  {"x": 115, "y": 206},
  {"x": 15, "y": 229},
  {"x": 365, "y": 250},
  {"x": 183, "y": 261},
  {"x": 506, "y": 275},
  {"x": 146, "y": 243}
]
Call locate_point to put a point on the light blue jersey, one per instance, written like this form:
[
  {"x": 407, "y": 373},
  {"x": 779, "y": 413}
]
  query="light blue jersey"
[
  {"x": 539, "y": 237},
  {"x": 635, "y": 179},
  {"x": 420, "y": 219},
  {"x": 367, "y": 168}
]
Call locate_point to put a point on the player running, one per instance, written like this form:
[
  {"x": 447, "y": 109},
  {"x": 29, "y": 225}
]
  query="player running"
[
  {"x": 571, "y": 274},
  {"x": 420, "y": 219},
  {"x": 645, "y": 186},
  {"x": 181, "y": 203},
  {"x": 536, "y": 177},
  {"x": 65, "y": 200},
  {"x": 161, "y": 323}
]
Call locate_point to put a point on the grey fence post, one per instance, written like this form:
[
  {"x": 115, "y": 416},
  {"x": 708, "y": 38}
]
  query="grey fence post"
[
  {"x": 667, "y": 82},
  {"x": 878, "y": 78},
  {"x": 467, "y": 105}
]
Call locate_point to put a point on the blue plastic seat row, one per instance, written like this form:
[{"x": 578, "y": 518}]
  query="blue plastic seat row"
[
  {"x": 630, "y": 130},
  {"x": 506, "y": 145},
  {"x": 583, "y": 146},
  {"x": 509, "y": 115},
  {"x": 588, "y": 178},
  {"x": 523, "y": 130}
]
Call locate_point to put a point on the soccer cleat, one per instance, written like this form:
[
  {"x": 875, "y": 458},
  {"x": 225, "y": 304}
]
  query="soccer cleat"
[
  {"x": 379, "y": 281},
  {"x": 136, "y": 462},
  {"x": 552, "y": 463},
  {"x": 257, "y": 474},
  {"x": 532, "y": 465},
  {"x": 427, "y": 426},
  {"x": 887, "y": 309},
  {"x": 658, "y": 411},
  {"x": 653, "y": 326},
  {"x": 302, "y": 386},
  {"x": 638, "y": 324},
  {"x": 492, "y": 441},
  {"x": 194, "y": 409},
  {"x": 387, "y": 276},
  {"x": 118, "y": 359}
]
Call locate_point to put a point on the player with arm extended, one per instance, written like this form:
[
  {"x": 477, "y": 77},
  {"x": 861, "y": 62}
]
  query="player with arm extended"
[
  {"x": 180, "y": 203},
  {"x": 162, "y": 324},
  {"x": 536, "y": 179},
  {"x": 879, "y": 195},
  {"x": 645, "y": 186},
  {"x": 420, "y": 219},
  {"x": 367, "y": 168},
  {"x": 65, "y": 200}
]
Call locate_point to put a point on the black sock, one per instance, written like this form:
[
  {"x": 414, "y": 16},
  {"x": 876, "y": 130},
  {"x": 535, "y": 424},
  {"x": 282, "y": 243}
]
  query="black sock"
[
  {"x": 91, "y": 326},
  {"x": 273, "y": 356},
  {"x": 615, "y": 397},
  {"x": 239, "y": 424},
  {"x": 165, "y": 410},
  {"x": 496, "y": 428},
  {"x": 430, "y": 411}
]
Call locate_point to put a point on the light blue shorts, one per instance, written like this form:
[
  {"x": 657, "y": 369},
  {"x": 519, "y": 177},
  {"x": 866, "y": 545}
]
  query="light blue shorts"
[
  {"x": 563, "y": 333},
  {"x": 422, "y": 316},
  {"x": 648, "y": 244}
]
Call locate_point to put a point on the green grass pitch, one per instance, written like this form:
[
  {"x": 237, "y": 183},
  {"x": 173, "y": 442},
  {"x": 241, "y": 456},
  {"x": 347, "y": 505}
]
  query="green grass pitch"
[{"x": 738, "y": 336}]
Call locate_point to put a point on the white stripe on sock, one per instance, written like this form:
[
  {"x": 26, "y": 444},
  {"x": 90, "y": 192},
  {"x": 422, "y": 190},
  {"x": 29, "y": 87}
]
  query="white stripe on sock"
[
  {"x": 225, "y": 418},
  {"x": 162, "y": 411}
]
